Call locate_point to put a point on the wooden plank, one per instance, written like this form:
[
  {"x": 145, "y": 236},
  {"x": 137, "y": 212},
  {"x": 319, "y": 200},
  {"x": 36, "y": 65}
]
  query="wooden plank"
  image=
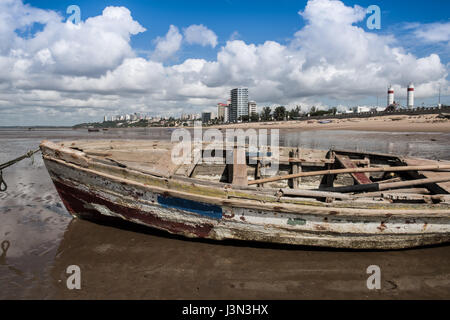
[
  {"x": 352, "y": 170},
  {"x": 289, "y": 160},
  {"x": 315, "y": 194},
  {"x": 384, "y": 156},
  {"x": 258, "y": 172},
  {"x": 422, "y": 191},
  {"x": 297, "y": 168},
  {"x": 294, "y": 182},
  {"x": 443, "y": 187},
  {"x": 196, "y": 159},
  {"x": 415, "y": 197},
  {"x": 328, "y": 179},
  {"x": 239, "y": 169},
  {"x": 397, "y": 179},
  {"x": 360, "y": 177},
  {"x": 386, "y": 186}
]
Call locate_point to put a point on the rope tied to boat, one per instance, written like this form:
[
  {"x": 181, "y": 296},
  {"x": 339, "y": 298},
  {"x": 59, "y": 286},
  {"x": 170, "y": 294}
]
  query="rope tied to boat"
[{"x": 29, "y": 154}]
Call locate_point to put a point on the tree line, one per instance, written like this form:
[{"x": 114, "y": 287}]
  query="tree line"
[{"x": 280, "y": 113}]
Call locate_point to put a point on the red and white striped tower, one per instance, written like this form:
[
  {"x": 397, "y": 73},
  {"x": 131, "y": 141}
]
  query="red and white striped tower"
[
  {"x": 390, "y": 96},
  {"x": 410, "y": 101}
]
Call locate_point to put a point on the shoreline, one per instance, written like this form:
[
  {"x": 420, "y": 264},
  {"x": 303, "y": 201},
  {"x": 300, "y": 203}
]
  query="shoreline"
[{"x": 402, "y": 123}]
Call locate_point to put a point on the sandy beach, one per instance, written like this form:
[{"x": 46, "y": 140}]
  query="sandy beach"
[{"x": 400, "y": 123}]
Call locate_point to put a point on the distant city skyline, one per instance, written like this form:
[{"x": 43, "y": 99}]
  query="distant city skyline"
[{"x": 174, "y": 57}]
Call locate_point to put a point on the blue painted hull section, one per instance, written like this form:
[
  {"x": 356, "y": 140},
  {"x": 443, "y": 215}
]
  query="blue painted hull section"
[{"x": 204, "y": 209}]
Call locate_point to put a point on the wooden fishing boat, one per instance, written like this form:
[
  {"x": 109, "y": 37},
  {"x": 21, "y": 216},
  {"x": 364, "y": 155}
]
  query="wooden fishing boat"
[{"x": 334, "y": 198}]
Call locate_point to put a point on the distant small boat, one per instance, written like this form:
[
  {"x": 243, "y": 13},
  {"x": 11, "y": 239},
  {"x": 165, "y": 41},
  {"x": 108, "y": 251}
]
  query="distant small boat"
[
  {"x": 362, "y": 200},
  {"x": 105, "y": 129},
  {"x": 325, "y": 121},
  {"x": 93, "y": 130}
]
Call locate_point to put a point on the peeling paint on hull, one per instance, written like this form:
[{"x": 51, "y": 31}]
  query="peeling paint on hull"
[
  {"x": 85, "y": 205},
  {"x": 88, "y": 195}
]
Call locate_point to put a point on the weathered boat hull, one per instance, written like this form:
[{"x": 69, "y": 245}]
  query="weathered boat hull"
[{"x": 87, "y": 193}]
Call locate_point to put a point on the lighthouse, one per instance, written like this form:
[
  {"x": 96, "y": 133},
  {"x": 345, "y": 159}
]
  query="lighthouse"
[
  {"x": 390, "y": 96},
  {"x": 410, "y": 99}
]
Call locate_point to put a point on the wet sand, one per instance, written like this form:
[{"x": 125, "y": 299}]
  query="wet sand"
[
  {"x": 120, "y": 261},
  {"x": 400, "y": 123}
]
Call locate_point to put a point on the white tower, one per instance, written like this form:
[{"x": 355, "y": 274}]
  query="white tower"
[
  {"x": 390, "y": 96},
  {"x": 410, "y": 101}
]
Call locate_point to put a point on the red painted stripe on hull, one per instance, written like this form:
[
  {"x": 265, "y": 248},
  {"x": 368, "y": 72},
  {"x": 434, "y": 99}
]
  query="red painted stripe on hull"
[{"x": 76, "y": 200}]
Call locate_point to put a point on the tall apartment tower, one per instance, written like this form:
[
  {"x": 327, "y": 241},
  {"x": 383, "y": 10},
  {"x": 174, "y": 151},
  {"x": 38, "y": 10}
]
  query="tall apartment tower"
[
  {"x": 239, "y": 103},
  {"x": 222, "y": 112}
]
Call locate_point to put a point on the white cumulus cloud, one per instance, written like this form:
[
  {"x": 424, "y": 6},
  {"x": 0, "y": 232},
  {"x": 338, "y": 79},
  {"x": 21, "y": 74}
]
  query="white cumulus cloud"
[
  {"x": 199, "y": 34},
  {"x": 69, "y": 73},
  {"x": 433, "y": 32},
  {"x": 167, "y": 46}
]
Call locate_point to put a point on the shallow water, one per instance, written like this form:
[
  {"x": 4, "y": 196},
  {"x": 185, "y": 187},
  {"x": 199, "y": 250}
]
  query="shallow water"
[{"x": 39, "y": 240}]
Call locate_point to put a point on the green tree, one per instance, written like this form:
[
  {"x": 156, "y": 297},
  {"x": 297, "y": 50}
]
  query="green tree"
[
  {"x": 244, "y": 118},
  {"x": 280, "y": 113},
  {"x": 266, "y": 114},
  {"x": 295, "y": 113},
  {"x": 254, "y": 117}
]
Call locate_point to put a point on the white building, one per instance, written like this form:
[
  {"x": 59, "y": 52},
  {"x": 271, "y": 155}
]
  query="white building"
[
  {"x": 252, "y": 108},
  {"x": 226, "y": 117},
  {"x": 390, "y": 96},
  {"x": 377, "y": 109},
  {"x": 363, "y": 109},
  {"x": 222, "y": 112},
  {"x": 410, "y": 97},
  {"x": 239, "y": 103}
]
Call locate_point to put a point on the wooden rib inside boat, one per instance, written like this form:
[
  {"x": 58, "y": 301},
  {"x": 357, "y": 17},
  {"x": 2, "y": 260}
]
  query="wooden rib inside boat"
[{"x": 328, "y": 198}]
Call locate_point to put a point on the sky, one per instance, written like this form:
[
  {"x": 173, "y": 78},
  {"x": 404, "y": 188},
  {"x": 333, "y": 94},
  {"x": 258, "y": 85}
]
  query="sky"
[{"x": 172, "y": 57}]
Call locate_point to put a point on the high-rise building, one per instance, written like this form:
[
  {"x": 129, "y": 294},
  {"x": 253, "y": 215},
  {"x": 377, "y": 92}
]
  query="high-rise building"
[
  {"x": 221, "y": 111},
  {"x": 206, "y": 117},
  {"x": 226, "y": 117},
  {"x": 252, "y": 108},
  {"x": 239, "y": 104}
]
